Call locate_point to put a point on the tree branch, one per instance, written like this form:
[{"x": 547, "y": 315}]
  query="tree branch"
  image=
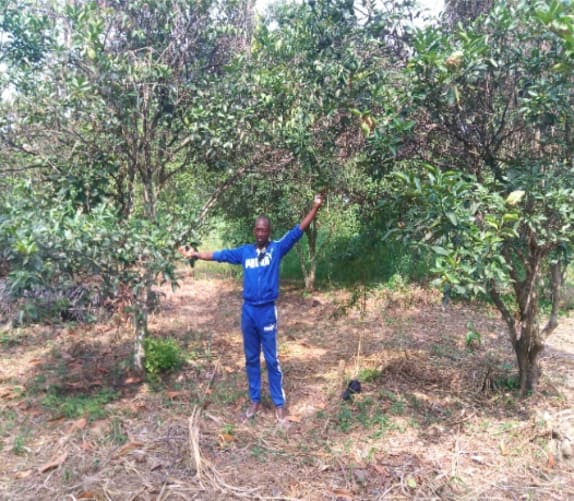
[
  {"x": 556, "y": 277},
  {"x": 506, "y": 314}
]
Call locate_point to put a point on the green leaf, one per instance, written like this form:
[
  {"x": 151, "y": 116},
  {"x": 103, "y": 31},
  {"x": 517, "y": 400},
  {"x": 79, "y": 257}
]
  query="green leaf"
[
  {"x": 441, "y": 251},
  {"x": 452, "y": 218},
  {"x": 515, "y": 197}
]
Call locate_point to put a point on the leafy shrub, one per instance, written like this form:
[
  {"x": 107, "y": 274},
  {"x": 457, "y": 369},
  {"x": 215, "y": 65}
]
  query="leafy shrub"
[
  {"x": 161, "y": 355},
  {"x": 66, "y": 264}
]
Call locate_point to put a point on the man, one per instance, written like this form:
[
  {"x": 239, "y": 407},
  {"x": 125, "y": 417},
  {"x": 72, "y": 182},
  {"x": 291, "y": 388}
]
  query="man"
[{"x": 261, "y": 264}]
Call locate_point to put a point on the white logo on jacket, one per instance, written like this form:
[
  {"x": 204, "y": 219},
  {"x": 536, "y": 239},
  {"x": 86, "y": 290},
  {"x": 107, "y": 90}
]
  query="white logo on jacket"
[{"x": 256, "y": 262}]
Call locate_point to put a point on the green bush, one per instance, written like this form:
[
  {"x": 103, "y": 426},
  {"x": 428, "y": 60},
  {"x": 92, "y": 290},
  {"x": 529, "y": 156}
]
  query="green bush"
[{"x": 161, "y": 355}]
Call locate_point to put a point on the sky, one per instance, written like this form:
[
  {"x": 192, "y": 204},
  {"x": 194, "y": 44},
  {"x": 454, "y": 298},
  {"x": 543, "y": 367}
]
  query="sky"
[{"x": 434, "y": 6}]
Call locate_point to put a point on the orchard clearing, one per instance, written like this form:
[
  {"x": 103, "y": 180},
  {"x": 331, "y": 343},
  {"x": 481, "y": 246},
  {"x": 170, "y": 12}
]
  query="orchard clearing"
[{"x": 438, "y": 417}]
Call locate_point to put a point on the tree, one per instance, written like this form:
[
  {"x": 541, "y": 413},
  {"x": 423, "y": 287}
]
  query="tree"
[
  {"x": 494, "y": 103},
  {"x": 117, "y": 104},
  {"x": 312, "y": 74}
]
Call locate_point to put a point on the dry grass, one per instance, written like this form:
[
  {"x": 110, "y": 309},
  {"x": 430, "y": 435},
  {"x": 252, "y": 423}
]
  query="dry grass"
[{"x": 434, "y": 420}]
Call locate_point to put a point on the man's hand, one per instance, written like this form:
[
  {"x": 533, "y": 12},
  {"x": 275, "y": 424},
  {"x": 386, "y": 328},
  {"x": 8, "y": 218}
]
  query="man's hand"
[
  {"x": 317, "y": 202},
  {"x": 188, "y": 252}
]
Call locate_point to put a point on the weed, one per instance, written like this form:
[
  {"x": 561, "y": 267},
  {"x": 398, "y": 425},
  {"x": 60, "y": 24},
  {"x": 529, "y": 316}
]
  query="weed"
[
  {"x": 9, "y": 339},
  {"x": 397, "y": 404},
  {"x": 90, "y": 406},
  {"x": 8, "y": 420},
  {"x": 414, "y": 401},
  {"x": 344, "y": 417},
  {"x": 380, "y": 423},
  {"x": 507, "y": 382},
  {"x": 363, "y": 416},
  {"x": 37, "y": 385},
  {"x": 258, "y": 453},
  {"x": 161, "y": 355},
  {"x": 117, "y": 435},
  {"x": 472, "y": 339},
  {"x": 68, "y": 475},
  {"x": 369, "y": 375},
  {"x": 505, "y": 428},
  {"x": 398, "y": 408},
  {"x": 443, "y": 351},
  {"x": 228, "y": 429},
  {"x": 397, "y": 282},
  {"x": 226, "y": 393},
  {"x": 19, "y": 448}
]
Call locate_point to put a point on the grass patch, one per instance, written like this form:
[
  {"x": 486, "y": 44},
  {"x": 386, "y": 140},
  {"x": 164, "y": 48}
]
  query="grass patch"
[
  {"x": 19, "y": 448},
  {"x": 370, "y": 375},
  {"x": 117, "y": 434},
  {"x": 364, "y": 412},
  {"x": 91, "y": 407},
  {"x": 9, "y": 339}
]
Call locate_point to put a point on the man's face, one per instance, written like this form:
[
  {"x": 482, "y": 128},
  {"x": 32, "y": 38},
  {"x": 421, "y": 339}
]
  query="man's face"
[{"x": 261, "y": 231}]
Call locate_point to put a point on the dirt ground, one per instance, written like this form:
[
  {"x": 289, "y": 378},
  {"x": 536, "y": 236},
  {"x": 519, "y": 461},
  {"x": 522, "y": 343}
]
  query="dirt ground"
[{"x": 438, "y": 416}]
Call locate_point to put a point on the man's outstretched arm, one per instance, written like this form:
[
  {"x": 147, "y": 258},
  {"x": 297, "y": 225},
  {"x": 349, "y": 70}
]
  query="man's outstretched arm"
[
  {"x": 190, "y": 253},
  {"x": 306, "y": 221}
]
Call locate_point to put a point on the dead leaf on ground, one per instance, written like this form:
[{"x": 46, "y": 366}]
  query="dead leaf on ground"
[
  {"x": 172, "y": 395},
  {"x": 86, "y": 495},
  {"x": 79, "y": 424},
  {"x": 11, "y": 393},
  {"x": 344, "y": 493},
  {"x": 381, "y": 470},
  {"x": 23, "y": 474},
  {"x": 130, "y": 446},
  {"x": 55, "y": 463}
]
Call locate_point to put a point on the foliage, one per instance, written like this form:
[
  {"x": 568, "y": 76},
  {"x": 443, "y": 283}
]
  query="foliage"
[
  {"x": 161, "y": 355},
  {"x": 92, "y": 255},
  {"x": 112, "y": 111},
  {"x": 473, "y": 338},
  {"x": 495, "y": 114},
  {"x": 313, "y": 70}
]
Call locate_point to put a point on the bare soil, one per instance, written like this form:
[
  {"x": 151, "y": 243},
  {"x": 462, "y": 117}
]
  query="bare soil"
[{"x": 437, "y": 417}]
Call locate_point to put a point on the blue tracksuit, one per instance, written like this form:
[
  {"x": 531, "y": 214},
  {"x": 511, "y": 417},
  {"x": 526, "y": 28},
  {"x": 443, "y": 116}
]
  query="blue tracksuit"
[{"x": 259, "y": 315}]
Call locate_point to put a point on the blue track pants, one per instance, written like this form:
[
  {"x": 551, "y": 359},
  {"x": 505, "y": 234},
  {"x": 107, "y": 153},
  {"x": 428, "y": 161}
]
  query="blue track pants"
[{"x": 259, "y": 328}]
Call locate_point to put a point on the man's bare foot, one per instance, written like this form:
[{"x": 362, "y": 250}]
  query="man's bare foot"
[
  {"x": 281, "y": 416},
  {"x": 250, "y": 412}
]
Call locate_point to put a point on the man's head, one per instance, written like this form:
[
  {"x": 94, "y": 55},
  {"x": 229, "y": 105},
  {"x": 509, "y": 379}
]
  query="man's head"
[{"x": 262, "y": 231}]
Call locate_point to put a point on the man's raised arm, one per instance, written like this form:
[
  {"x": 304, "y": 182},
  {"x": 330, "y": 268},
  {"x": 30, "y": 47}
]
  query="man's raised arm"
[{"x": 306, "y": 221}]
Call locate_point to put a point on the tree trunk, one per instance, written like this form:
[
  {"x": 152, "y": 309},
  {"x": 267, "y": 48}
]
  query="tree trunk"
[
  {"x": 526, "y": 336},
  {"x": 310, "y": 277},
  {"x": 529, "y": 341},
  {"x": 310, "y": 267},
  {"x": 143, "y": 299},
  {"x": 528, "y": 347},
  {"x": 140, "y": 325}
]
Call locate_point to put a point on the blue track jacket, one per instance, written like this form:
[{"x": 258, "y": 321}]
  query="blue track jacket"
[{"x": 260, "y": 269}]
